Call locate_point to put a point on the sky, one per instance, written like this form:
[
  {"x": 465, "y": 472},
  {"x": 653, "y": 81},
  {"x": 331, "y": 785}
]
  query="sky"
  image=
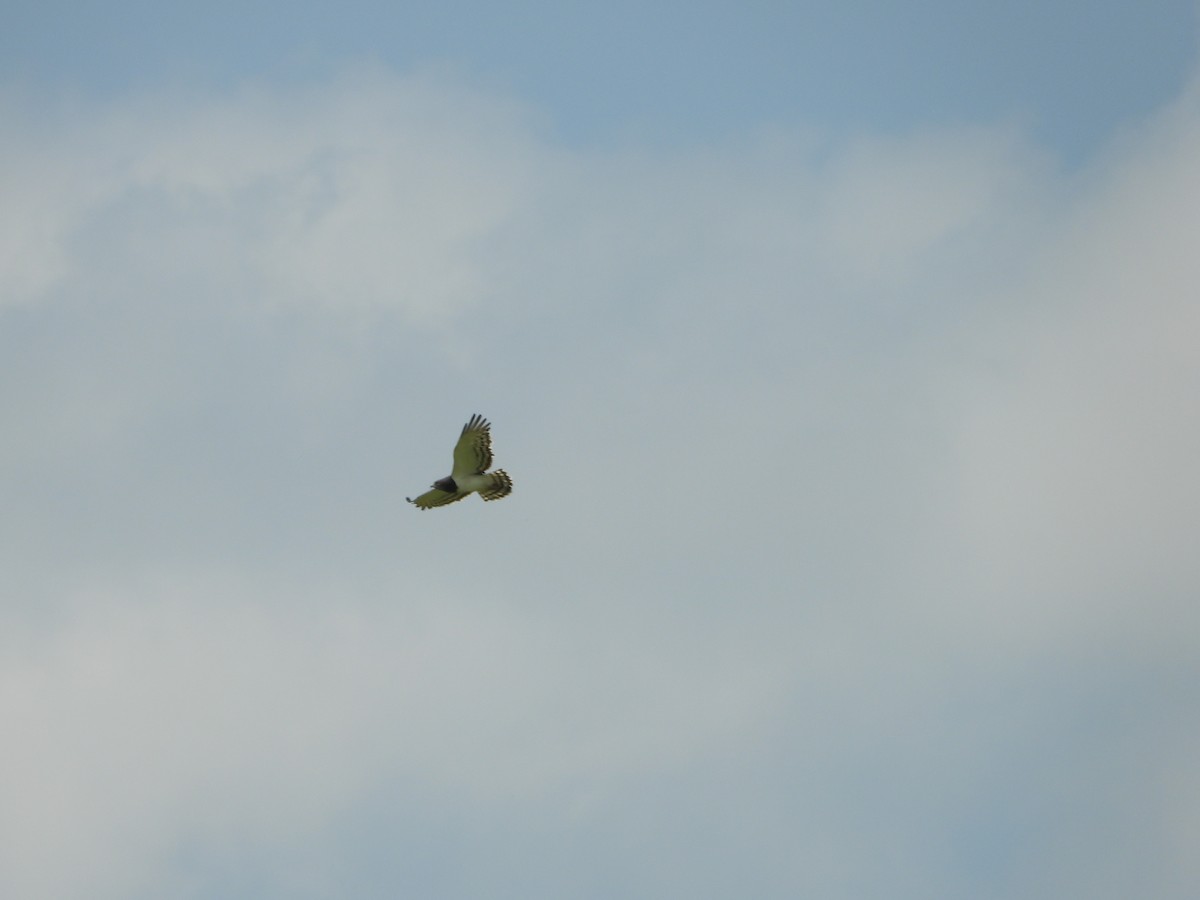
[{"x": 843, "y": 358}]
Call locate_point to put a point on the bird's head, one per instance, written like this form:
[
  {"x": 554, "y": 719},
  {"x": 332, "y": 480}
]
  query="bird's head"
[{"x": 446, "y": 484}]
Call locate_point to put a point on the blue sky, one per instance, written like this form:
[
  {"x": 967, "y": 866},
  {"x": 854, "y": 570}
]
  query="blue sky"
[
  {"x": 843, "y": 357},
  {"x": 667, "y": 71}
]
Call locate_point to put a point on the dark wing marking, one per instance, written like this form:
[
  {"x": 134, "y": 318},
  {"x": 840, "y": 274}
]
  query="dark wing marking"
[
  {"x": 473, "y": 452},
  {"x": 501, "y": 486},
  {"x": 430, "y": 499}
]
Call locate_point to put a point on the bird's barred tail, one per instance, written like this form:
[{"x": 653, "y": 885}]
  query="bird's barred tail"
[{"x": 501, "y": 486}]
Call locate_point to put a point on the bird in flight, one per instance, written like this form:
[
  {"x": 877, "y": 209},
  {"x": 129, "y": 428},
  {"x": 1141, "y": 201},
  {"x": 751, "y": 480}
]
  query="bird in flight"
[{"x": 472, "y": 457}]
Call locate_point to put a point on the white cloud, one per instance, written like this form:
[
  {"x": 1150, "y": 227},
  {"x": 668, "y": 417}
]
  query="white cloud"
[
  {"x": 231, "y": 713},
  {"x": 365, "y": 196},
  {"x": 853, "y": 494},
  {"x": 898, "y": 208},
  {"x": 1077, "y": 462}
]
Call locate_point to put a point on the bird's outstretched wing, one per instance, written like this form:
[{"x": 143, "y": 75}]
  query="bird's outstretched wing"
[
  {"x": 473, "y": 452},
  {"x": 430, "y": 499}
]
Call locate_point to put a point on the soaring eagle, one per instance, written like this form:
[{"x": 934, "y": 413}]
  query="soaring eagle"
[{"x": 472, "y": 457}]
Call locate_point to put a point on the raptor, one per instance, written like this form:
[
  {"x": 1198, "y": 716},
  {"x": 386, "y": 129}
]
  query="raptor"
[{"x": 470, "y": 475}]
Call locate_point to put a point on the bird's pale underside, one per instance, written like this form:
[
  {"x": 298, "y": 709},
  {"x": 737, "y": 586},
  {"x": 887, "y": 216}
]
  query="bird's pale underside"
[{"x": 470, "y": 475}]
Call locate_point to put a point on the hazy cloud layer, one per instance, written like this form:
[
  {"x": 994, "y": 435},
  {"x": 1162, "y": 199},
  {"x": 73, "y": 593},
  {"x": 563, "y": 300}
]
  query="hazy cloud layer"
[{"x": 851, "y": 550}]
